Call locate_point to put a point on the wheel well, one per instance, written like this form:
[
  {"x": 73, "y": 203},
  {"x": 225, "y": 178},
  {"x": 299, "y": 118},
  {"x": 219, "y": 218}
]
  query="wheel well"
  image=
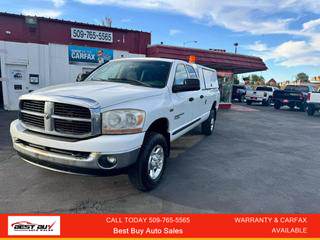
[
  {"x": 214, "y": 105},
  {"x": 161, "y": 126}
]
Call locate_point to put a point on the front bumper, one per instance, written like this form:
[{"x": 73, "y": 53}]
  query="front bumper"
[{"x": 76, "y": 156}]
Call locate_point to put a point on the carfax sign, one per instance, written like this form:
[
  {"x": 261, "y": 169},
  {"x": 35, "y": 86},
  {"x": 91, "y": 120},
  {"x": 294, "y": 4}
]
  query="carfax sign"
[{"x": 79, "y": 54}]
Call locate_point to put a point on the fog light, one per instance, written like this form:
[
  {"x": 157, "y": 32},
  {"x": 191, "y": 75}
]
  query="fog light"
[
  {"x": 107, "y": 161},
  {"x": 112, "y": 159}
]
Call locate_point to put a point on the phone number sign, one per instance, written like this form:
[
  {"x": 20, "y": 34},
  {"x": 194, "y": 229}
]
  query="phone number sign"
[{"x": 91, "y": 35}]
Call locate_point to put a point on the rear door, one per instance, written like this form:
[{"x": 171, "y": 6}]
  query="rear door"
[{"x": 183, "y": 103}]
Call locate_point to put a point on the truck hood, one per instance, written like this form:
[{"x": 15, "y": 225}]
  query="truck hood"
[{"x": 93, "y": 94}]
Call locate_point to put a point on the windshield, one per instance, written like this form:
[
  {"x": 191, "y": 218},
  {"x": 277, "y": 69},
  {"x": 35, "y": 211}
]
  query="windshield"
[
  {"x": 145, "y": 73},
  {"x": 267, "y": 89},
  {"x": 297, "y": 88}
]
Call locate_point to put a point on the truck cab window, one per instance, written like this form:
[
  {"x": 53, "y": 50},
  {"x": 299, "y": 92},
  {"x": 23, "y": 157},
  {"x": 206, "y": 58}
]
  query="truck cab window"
[
  {"x": 191, "y": 71},
  {"x": 180, "y": 75}
]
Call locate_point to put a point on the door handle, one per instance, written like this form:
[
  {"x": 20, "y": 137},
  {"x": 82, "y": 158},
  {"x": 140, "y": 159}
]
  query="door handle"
[
  {"x": 191, "y": 99},
  {"x": 201, "y": 96}
]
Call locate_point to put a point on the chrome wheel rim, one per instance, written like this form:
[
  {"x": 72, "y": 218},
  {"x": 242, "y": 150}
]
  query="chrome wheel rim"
[
  {"x": 212, "y": 124},
  {"x": 155, "y": 163}
]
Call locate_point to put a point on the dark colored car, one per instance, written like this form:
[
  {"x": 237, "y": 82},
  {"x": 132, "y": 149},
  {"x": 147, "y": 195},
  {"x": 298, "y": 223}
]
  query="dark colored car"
[
  {"x": 239, "y": 92},
  {"x": 292, "y": 96}
]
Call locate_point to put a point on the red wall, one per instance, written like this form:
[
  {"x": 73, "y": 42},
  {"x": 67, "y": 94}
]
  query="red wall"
[{"x": 58, "y": 31}]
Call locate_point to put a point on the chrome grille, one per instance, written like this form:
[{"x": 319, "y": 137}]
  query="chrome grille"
[
  {"x": 68, "y": 110},
  {"x": 33, "y": 120},
  {"x": 34, "y": 106},
  {"x": 58, "y": 118},
  {"x": 72, "y": 127}
]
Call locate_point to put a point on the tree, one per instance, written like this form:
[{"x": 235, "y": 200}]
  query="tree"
[
  {"x": 257, "y": 80},
  {"x": 302, "y": 77}
]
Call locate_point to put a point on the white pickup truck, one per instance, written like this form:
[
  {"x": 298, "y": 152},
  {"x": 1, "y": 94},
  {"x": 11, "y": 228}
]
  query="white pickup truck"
[
  {"x": 262, "y": 94},
  {"x": 121, "y": 118},
  {"x": 313, "y": 102}
]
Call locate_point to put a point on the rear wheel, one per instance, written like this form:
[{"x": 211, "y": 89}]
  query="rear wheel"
[
  {"x": 147, "y": 172},
  {"x": 207, "y": 126},
  {"x": 249, "y": 102},
  {"x": 311, "y": 109},
  {"x": 277, "y": 105}
]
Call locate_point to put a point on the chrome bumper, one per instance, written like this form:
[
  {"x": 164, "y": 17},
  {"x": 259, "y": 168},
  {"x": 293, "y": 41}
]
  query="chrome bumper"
[{"x": 60, "y": 162}]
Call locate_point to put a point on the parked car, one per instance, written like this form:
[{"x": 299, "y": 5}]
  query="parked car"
[
  {"x": 122, "y": 118},
  {"x": 262, "y": 94},
  {"x": 239, "y": 92},
  {"x": 292, "y": 96},
  {"x": 313, "y": 101}
]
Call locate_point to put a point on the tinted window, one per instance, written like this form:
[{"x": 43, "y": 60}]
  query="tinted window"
[
  {"x": 191, "y": 72},
  {"x": 147, "y": 73},
  {"x": 297, "y": 88},
  {"x": 267, "y": 89},
  {"x": 181, "y": 75},
  {"x": 238, "y": 87}
]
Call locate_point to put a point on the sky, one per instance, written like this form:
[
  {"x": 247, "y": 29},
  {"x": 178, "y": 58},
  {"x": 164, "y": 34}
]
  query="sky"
[{"x": 284, "y": 33}]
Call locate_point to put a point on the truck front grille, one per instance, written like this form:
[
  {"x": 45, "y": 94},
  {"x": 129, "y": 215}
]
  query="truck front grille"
[
  {"x": 34, "y": 106},
  {"x": 68, "y": 110},
  {"x": 72, "y": 127},
  {"x": 33, "y": 120},
  {"x": 56, "y": 118}
]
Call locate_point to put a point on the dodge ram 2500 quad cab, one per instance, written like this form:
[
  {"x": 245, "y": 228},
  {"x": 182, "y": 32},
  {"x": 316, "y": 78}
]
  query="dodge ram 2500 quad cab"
[
  {"x": 262, "y": 94},
  {"x": 313, "y": 102},
  {"x": 121, "y": 118},
  {"x": 292, "y": 96}
]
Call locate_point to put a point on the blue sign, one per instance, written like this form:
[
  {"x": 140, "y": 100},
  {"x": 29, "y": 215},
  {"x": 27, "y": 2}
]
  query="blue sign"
[{"x": 79, "y": 54}]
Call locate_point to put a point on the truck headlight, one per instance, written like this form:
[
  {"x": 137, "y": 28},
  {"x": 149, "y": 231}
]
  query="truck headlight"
[{"x": 123, "y": 121}]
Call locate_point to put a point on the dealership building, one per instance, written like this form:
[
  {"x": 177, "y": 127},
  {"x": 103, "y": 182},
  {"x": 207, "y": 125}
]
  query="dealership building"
[{"x": 36, "y": 52}]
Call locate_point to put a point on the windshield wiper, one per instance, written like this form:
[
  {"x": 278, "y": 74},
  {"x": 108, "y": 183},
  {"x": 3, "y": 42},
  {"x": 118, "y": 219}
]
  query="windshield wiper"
[
  {"x": 130, "y": 81},
  {"x": 98, "y": 79}
]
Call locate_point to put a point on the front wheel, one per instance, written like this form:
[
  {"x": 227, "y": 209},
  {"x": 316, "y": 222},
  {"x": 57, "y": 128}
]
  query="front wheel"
[
  {"x": 302, "y": 107},
  {"x": 266, "y": 102},
  {"x": 208, "y": 125},
  {"x": 277, "y": 105},
  {"x": 311, "y": 110},
  {"x": 249, "y": 102},
  {"x": 147, "y": 172}
]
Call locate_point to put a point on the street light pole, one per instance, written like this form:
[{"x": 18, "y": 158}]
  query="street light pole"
[
  {"x": 235, "y": 47},
  {"x": 194, "y": 41}
]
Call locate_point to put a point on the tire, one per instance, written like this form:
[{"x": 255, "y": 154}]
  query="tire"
[
  {"x": 268, "y": 102},
  {"x": 264, "y": 103},
  {"x": 277, "y": 105},
  {"x": 207, "y": 127},
  {"x": 153, "y": 154},
  {"x": 249, "y": 102},
  {"x": 311, "y": 109},
  {"x": 291, "y": 108},
  {"x": 302, "y": 107}
]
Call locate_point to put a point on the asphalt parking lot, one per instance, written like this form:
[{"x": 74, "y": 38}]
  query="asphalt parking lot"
[{"x": 259, "y": 160}]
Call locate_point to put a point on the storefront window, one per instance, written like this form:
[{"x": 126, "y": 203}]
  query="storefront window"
[{"x": 225, "y": 87}]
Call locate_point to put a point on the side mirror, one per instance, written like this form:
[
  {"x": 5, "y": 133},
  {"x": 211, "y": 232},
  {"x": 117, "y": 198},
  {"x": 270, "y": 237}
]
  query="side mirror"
[
  {"x": 190, "y": 84},
  {"x": 82, "y": 76}
]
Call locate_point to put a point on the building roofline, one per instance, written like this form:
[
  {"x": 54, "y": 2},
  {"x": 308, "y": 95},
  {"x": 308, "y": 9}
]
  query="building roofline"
[
  {"x": 203, "y": 50},
  {"x": 71, "y": 22}
]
